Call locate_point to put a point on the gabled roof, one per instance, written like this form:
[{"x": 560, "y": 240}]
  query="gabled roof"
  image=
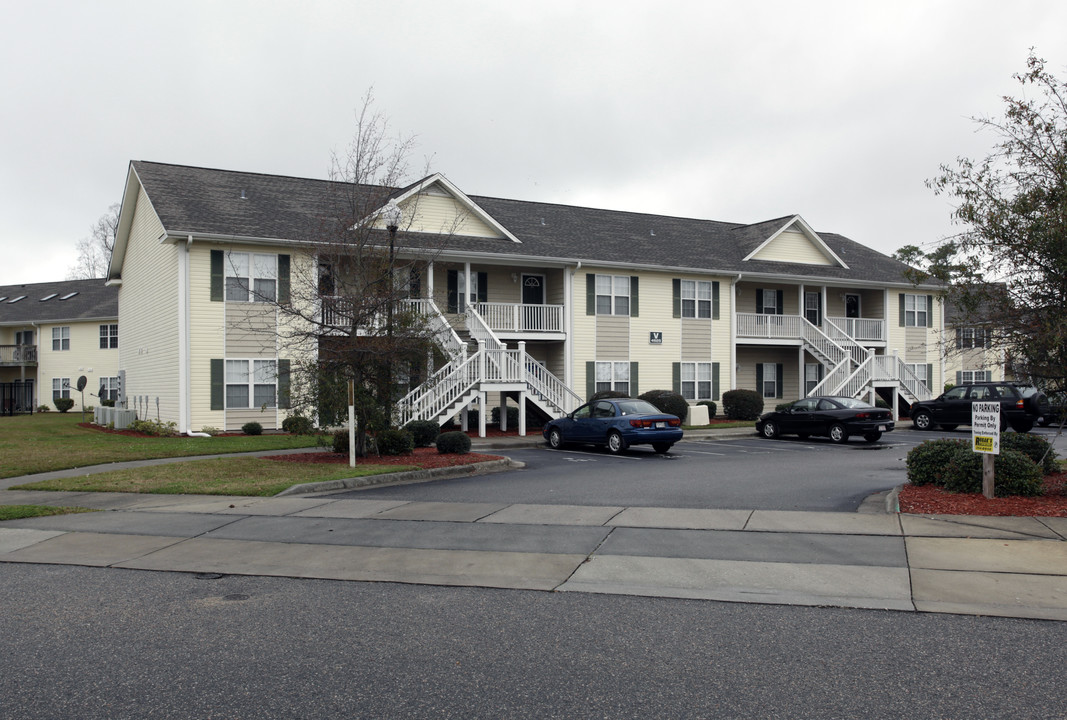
[
  {"x": 439, "y": 180},
  {"x": 801, "y": 226},
  {"x": 209, "y": 203},
  {"x": 63, "y": 301}
]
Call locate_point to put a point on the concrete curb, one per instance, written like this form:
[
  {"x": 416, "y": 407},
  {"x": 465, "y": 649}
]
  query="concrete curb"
[
  {"x": 411, "y": 476},
  {"x": 892, "y": 500}
]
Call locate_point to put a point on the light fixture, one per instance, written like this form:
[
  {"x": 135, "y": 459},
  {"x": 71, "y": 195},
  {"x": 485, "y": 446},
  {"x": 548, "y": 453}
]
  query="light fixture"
[
  {"x": 393, "y": 215},
  {"x": 514, "y": 277}
]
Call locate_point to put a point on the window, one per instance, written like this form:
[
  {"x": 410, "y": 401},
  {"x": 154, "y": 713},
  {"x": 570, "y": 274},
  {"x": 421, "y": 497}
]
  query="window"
[
  {"x": 973, "y": 376},
  {"x": 919, "y": 370},
  {"x": 770, "y": 302},
  {"x": 812, "y": 376},
  {"x": 972, "y": 338},
  {"x": 770, "y": 379},
  {"x": 613, "y": 376},
  {"x": 258, "y": 386},
  {"x": 696, "y": 381},
  {"x": 109, "y": 388},
  {"x": 60, "y": 338},
  {"x": 251, "y": 277},
  {"x": 915, "y": 311},
  {"x": 696, "y": 299},
  {"x": 612, "y": 295},
  {"x": 60, "y": 388},
  {"x": 109, "y": 336}
]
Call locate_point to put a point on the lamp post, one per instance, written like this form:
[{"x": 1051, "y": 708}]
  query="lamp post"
[{"x": 392, "y": 214}]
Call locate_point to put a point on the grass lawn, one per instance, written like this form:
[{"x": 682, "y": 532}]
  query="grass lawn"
[
  {"x": 16, "y": 512},
  {"x": 53, "y": 441},
  {"x": 221, "y": 476}
]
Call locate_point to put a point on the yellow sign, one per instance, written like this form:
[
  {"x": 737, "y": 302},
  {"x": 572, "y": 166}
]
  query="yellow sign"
[{"x": 983, "y": 443}]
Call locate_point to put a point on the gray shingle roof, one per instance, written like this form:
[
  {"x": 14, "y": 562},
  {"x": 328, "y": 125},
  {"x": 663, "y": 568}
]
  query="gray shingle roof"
[
  {"x": 196, "y": 201},
  {"x": 91, "y": 300}
]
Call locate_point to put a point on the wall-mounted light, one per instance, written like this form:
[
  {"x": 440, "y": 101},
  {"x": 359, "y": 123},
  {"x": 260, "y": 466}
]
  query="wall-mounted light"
[{"x": 514, "y": 277}]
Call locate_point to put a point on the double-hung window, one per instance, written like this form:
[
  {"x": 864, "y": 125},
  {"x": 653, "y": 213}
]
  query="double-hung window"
[
  {"x": 919, "y": 369},
  {"x": 251, "y": 277},
  {"x": 770, "y": 302},
  {"x": 696, "y": 381},
  {"x": 613, "y": 376},
  {"x": 109, "y": 336},
  {"x": 251, "y": 384},
  {"x": 973, "y": 376},
  {"x": 770, "y": 380},
  {"x": 61, "y": 338},
  {"x": 971, "y": 338},
  {"x": 109, "y": 388},
  {"x": 60, "y": 388},
  {"x": 696, "y": 298},
  {"x": 612, "y": 295},
  {"x": 916, "y": 311}
]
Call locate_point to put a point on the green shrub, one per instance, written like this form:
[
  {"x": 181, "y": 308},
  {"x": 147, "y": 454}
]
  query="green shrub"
[
  {"x": 423, "y": 432},
  {"x": 926, "y": 463},
  {"x": 1013, "y": 474},
  {"x": 712, "y": 408},
  {"x": 298, "y": 425},
  {"x": 394, "y": 442},
  {"x": 742, "y": 404},
  {"x": 513, "y": 417},
  {"x": 472, "y": 420},
  {"x": 668, "y": 401},
  {"x": 209, "y": 430},
  {"x": 107, "y": 402},
  {"x": 1034, "y": 447},
  {"x": 63, "y": 404},
  {"x": 607, "y": 395},
  {"x": 252, "y": 428},
  {"x": 880, "y": 402},
  {"x": 453, "y": 442},
  {"x": 43, "y": 408},
  {"x": 340, "y": 441},
  {"x": 154, "y": 427}
]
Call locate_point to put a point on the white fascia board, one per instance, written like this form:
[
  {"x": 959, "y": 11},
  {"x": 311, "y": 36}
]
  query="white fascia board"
[
  {"x": 178, "y": 236},
  {"x": 808, "y": 231},
  {"x": 122, "y": 232},
  {"x": 459, "y": 195}
]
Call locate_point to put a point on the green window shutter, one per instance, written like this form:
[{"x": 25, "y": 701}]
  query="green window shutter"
[
  {"x": 759, "y": 300},
  {"x": 959, "y": 340},
  {"x": 453, "y": 291},
  {"x": 715, "y": 381},
  {"x": 930, "y": 375},
  {"x": 901, "y": 296},
  {"x": 483, "y": 287},
  {"x": 284, "y": 402},
  {"x": 590, "y": 294},
  {"x": 216, "y": 276},
  {"x": 780, "y": 298},
  {"x": 634, "y": 297},
  {"x": 929, "y": 311},
  {"x": 676, "y": 377},
  {"x": 779, "y": 379},
  {"x": 676, "y": 287},
  {"x": 759, "y": 379},
  {"x": 218, "y": 386},
  {"x": 590, "y": 379},
  {"x": 633, "y": 380},
  {"x": 715, "y": 303},
  {"x": 283, "y": 279},
  {"x": 959, "y": 377}
]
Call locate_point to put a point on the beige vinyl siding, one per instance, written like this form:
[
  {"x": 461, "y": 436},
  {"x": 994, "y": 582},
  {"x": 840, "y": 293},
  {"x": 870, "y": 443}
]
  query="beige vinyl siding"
[
  {"x": 793, "y": 247},
  {"x": 251, "y": 330},
  {"x": 612, "y": 337},
  {"x": 696, "y": 340},
  {"x": 583, "y": 337},
  {"x": 235, "y": 419},
  {"x": 206, "y": 338},
  {"x": 83, "y": 358},
  {"x": 655, "y": 309},
  {"x": 746, "y": 301},
  {"x": 747, "y": 358},
  {"x": 443, "y": 214},
  {"x": 501, "y": 288},
  {"x": 148, "y": 312}
]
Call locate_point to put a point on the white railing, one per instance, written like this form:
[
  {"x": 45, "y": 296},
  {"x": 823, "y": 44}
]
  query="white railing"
[
  {"x": 18, "y": 354},
  {"x": 860, "y": 328},
  {"x": 757, "y": 325},
  {"x": 858, "y": 353},
  {"x": 440, "y": 392},
  {"x": 912, "y": 383},
  {"x": 823, "y": 344},
  {"x": 876, "y": 368},
  {"x": 833, "y": 379},
  {"x": 443, "y": 331},
  {"x": 519, "y": 317},
  {"x": 860, "y": 378},
  {"x": 550, "y": 387}
]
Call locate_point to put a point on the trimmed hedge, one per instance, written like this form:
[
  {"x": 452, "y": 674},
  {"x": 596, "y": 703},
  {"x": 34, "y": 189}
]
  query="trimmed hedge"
[
  {"x": 926, "y": 463},
  {"x": 252, "y": 428},
  {"x": 63, "y": 404},
  {"x": 742, "y": 404},
  {"x": 453, "y": 442},
  {"x": 423, "y": 432},
  {"x": 667, "y": 401},
  {"x": 298, "y": 425},
  {"x": 394, "y": 442},
  {"x": 1014, "y": 474},
  {"x": 712, "y": 408}
]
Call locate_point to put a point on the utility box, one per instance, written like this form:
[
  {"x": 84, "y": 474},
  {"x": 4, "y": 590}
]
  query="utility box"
[
  {"x": 698, "y": 415},
  {"x": 123, "y": 418}
]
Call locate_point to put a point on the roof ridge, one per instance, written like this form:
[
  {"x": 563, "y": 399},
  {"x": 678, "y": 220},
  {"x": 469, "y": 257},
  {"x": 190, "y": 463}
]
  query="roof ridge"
[{"x": 601, "y": 209}]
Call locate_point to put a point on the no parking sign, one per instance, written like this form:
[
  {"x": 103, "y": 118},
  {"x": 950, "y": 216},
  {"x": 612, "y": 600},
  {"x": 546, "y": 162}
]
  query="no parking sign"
[{"x": 985, "y": 427}]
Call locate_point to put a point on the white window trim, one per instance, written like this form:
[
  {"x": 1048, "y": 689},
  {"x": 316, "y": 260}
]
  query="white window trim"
[
  {"x": 618, "y": 371},
  {"x": 109, "y": 336},
  {"x": 63, "y": 391},
  {"x": 251, "y": 382},
  {"x": 61, "y": 335},
  {"x": 256, "y": 265},
  {"x": 919, "y": 370},
  {"x": 911, "y": 314},
  {"x": 614, "y": 296},
  {"x": 696, "y": 298},
  {"x": 983, "y": 376},
  {"x": 770, "y": 370},
  {"x": 697, "y": 381}
]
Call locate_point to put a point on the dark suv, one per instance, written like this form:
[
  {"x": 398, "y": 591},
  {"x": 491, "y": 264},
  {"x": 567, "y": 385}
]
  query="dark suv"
[{"x": 1020, "y": 406}]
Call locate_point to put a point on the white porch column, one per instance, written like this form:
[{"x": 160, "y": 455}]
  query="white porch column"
[
  {"x": 803, "y": 377},
  {"x": 481, "y": 414},
  {"x": 522, "y": 413},
  {"x": 503, "y": 413},
  {"x": 467, "y": 285},
  {"x": 429, "y": 280}
]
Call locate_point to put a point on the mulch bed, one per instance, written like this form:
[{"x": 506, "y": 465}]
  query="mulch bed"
[
  {"x": 134, "y": 433},
  {"x": 425, "y": 458},
  {"x": 931, "y": 500}
]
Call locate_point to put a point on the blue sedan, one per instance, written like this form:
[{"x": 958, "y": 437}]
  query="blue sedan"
[{"x": 616, "y": 423}]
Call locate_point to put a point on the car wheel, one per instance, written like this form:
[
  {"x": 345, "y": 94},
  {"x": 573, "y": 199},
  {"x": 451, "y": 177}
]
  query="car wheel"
[
  {"x": 616, "y": 444},
  {"x": 872, "y": 436},
  {"x": 555, "y": 439},
  {"x": 661, "y": 448},
  {"x": 922, "y": 420},
  {"x": 838, "y": 434},
  {"x": 1022, "y": 426},
  {"x": 770, "y": 429},
  {"x": 1044, "y": 422},
  {"x": 949, "y": 427}
]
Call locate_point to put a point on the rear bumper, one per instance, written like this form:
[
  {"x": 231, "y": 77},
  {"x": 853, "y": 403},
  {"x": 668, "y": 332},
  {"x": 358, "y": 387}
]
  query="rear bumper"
[
  {"x": 869, "y": 427},
  {"x": 647, "y": 437}
]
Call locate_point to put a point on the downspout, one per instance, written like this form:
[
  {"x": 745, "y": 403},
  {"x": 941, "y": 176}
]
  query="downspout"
[
  {"x": 185, "y": 403},
  {"x": 733, "y": 332},
  {"x": 568, "y": 328}
]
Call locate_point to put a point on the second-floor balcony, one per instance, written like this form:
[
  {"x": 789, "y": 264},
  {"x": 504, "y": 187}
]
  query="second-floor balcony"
[
  {"x": 16, "y": 355},
  {"x": 521, "y": 318},
  {"x": 791, "y": 327}
]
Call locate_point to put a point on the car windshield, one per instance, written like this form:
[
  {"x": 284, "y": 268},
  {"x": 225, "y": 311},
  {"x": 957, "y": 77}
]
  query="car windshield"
[
  {"x": 852, "y": 402},
  {"x": 638, "y": 407}
]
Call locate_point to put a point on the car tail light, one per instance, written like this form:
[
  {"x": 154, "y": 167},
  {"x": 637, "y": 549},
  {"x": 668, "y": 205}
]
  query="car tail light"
[
  {"x": 1020, "y": 403},
  {"x": 641, "y": 423},
  {"x": 675, "y": 422},
  {"x": 863, "y": 416}
]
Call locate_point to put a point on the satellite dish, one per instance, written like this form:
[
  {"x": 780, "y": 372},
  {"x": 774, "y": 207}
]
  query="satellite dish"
[{"x": 82, "y": 382}]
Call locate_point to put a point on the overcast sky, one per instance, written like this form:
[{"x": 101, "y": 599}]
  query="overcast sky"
[{"x": 837, "y": 111}]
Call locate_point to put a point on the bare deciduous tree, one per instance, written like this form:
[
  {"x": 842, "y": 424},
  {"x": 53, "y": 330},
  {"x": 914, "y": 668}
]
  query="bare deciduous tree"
[{"x": 94, "y": 251}]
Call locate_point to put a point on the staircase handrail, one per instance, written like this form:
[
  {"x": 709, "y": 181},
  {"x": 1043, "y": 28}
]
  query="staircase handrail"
[
  {"x": 432, "y": 397},
  {"x": 837, "y": 334},
  {"x": 481, "y": 331},
  {"x": 823, "y": 343},
  {"x": 857, "y": 381},
  {"x": 554, "y": 390},
  {"x": 915, "y": 385},
  {"x": 443, "y": 332},
  {"x": 837, "y": 375}
]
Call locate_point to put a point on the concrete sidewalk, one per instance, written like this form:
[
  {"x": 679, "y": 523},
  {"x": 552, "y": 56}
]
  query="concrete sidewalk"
[{"x": 1012, "y": 567}]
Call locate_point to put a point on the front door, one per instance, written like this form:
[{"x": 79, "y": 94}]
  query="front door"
[
  {"x": 852, "y": 305},
  {"x": 533, "y": 297}
]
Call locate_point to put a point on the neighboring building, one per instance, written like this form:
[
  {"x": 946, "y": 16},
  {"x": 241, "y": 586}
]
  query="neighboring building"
[
  {"x": 50, "y": 335},
  {"x": 968, "y": 348},
  {"x": 579, "y": 299}
]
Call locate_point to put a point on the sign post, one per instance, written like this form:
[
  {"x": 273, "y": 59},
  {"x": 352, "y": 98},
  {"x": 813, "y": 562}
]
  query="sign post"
[
  {"x": 351, "y": 423},
  {"x": 985, "y": 439}
]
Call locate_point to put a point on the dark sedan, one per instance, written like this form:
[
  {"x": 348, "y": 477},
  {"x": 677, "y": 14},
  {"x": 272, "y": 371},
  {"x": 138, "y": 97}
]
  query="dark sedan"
[
  {"x": 616, "y": 423},
  {"x": 834, "y": 417}
]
